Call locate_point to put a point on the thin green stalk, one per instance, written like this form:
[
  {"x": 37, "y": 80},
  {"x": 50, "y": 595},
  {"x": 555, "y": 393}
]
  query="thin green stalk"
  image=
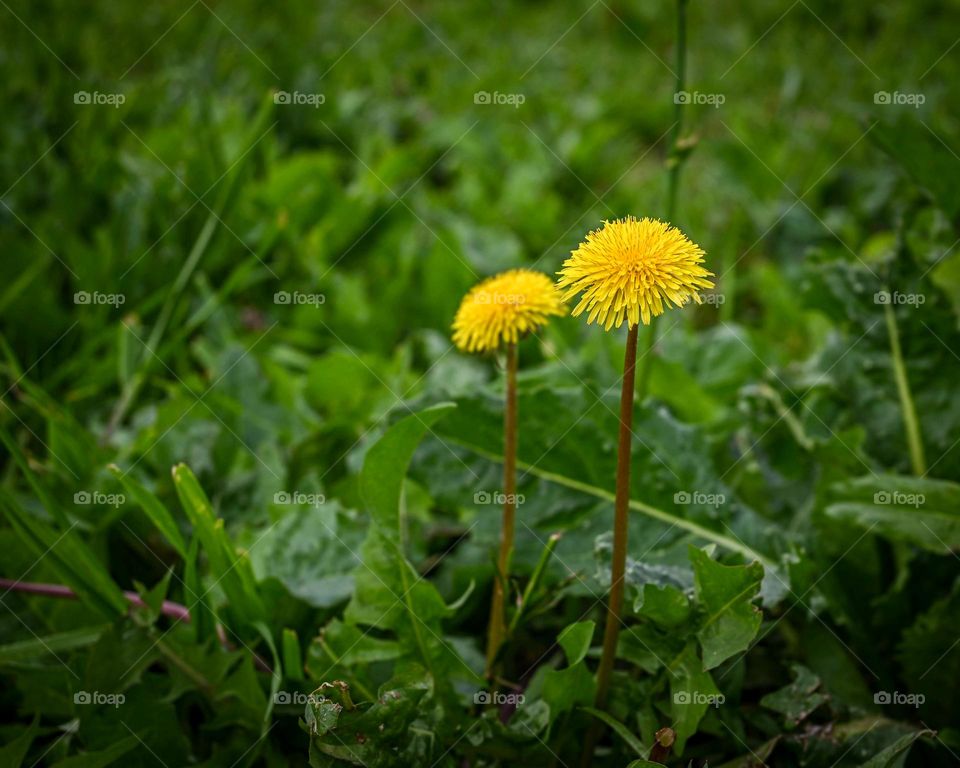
[
  {"x": 496, "y": 624},
  {"x": 910, "y": 422},
  {"x": 675, "y": 161},
  {"x": 534, "y": 582}
]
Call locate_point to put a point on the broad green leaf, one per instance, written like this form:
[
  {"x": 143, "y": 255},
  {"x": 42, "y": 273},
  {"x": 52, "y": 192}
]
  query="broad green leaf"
[
  {"x": 390, "y": 594},
  {"x": 575, "y": 640},
  {"x": 380, "y": 730},
  {"x": 672, "y": 383},
  {"x": 584, "y": 461},
  {"x": 312, "y": 551},
  {"x": 385, "y": 466},
  {"x": 725, "y": 593},
  {"x": 925, "y": 157},
  {"x": 154, "y": 509},
  {"x": 666, "y": 605},
  {"x": 565, "y": 689},
  {"x": 346, "y": 644},
  {"x": 692, "y": 691},
  {"x": 118, "y": 659},
  {"x": 797, "y": 700},
  {"x": 920, "y": 511}
]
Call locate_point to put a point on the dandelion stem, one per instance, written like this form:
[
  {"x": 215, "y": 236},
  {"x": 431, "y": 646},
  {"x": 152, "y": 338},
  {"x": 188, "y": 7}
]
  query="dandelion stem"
[
  {"x": 621, "y": 509},
  {"x": 911, "y": 424},
  {"x": 496, "y": 624},
  {"x": 674, "y": 164}
]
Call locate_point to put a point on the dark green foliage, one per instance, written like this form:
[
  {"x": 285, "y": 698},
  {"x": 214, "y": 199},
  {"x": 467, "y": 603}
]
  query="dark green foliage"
[{"x": 258, "y": 415}]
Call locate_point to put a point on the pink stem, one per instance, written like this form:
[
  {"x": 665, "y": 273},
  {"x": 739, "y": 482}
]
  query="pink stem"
[{"x": 169, "y": 608}]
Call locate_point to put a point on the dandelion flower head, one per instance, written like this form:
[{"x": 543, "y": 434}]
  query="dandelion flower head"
[
  {"x": 632, "y": 269},
  {"x": 503, "y": 308}
]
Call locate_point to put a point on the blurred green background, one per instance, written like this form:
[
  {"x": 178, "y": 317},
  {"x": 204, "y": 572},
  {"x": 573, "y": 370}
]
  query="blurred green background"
[{"x": 235, "y": 236}]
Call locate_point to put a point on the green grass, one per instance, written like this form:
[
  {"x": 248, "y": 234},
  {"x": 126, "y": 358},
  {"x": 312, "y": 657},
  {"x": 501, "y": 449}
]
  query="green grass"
[{"x": 241, "y": 431}]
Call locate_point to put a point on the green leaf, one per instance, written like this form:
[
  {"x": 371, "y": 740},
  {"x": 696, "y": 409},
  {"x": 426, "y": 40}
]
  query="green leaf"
[
  {"x": 390, "y": 594},
  {"x": 153, "y": 598},
  {"x": 379, "y": 731},
  {"x": 21, "y": 461},
  {"x": 917, "y": 510},
  {"x": 100, "y": 759},
  {"x": 725, "y": 592},
  {"x": 292, "y": 656},
  {"x": 575, "y": 640},
  {"x": 275, "y": 679},
  {"x": 573, "y": 460},
  {"x": 797, "y": 700},
  {"x": 573, "y": 686},
  {"x": 201, "y": 616},
  {"x": 70, "y": 558},
  {"x": 692, "y": 690},
  {"x": 12, "y": 753},
  {"x": 666, "y": 605},
  {"x": 566, "y": 689},
  {"x": 312, "y": 551},
  {"x": 889, "y": 757},
  {"x": 230, "y": 571},
  {"x": 928, "y": 161},
  {"x": 673, "y": 383},
  {"x": 346, "y": 644},
  {"x": 154, "y": 509},
  {"x": 385, "y": 465},
  {"x": 755, "y": 754},
  {"x": 37, "y": 648},
  {"x": 621, "y": 730}
]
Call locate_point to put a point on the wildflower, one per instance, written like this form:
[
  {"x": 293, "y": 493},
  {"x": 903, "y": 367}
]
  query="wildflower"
[
  {"x": 503, "y": 308},
  {"x": 632, "y": 269},
  {"x": 495, "y": 313},
  {"x": 629, "y": 269}
]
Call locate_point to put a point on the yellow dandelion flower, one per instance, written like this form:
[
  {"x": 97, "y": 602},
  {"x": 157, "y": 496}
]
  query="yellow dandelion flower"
[
  {"x": 503, "y": 308},
  {"x": 631, "y": 269}
]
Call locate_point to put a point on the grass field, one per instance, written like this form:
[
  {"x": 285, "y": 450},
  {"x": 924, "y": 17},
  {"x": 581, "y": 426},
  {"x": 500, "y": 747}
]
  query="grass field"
[{"x": 235, "y": 239}]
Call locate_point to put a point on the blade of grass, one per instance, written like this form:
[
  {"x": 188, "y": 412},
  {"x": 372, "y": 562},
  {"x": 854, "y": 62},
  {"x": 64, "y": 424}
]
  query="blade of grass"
[
  {"x": 149, "y": 356},
  {"x": 73, "y": 561},
  {"x": 154, "y": 509},
  {"x": 232, "y": 572}
]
